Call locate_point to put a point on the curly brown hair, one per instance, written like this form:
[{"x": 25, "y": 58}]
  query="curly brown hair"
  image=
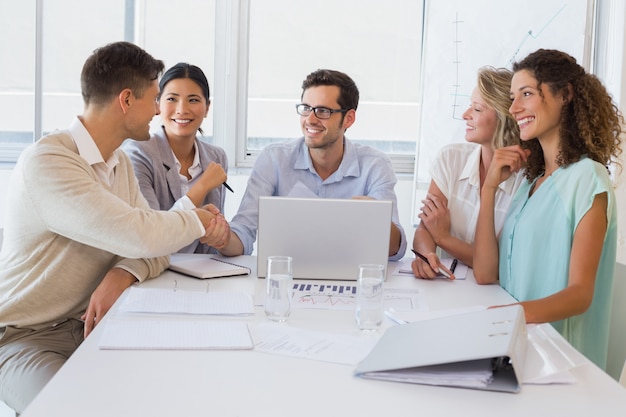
[{"x": 591, "y": 123}]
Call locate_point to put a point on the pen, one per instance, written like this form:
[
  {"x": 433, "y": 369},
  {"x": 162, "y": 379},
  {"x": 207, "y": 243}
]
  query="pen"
[
  {"x": 439, "y": 271},
  {"x": 393, "y": 318},
  {"x": 228, "y": 187},
  {"x": 453, "y": 266}
]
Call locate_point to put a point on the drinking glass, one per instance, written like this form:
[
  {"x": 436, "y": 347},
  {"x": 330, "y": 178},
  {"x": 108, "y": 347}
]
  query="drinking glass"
[
  {"x": 369, "y": 296},
  {"x": 279, "y": 287}
]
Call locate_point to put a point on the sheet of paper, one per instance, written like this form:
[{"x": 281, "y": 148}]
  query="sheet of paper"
[
  {"x": 403, "y": 267},
  {"x": 158, "y": 300},
  {"x": 411, "y": 316},
  {"x": 127, "y": 333},
  {"x": 280, "y": 339},
  {"x": 342, "y": 296},
  {"x": 549, "y": 358}
]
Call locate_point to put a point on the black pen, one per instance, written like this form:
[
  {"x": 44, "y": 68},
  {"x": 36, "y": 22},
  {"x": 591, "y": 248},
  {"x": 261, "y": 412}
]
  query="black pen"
[
  {"x": 227, "y": 187},
  {"x": 453, "y": 266},
  {"x": 423, "y": 258}
]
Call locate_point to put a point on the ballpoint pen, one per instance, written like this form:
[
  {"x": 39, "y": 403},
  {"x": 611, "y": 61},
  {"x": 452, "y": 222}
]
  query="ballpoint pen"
[
  {"x": 453, "y": 265},
  {"x": 389, "y": 314},
  {"x": 227, "y": 187},
  {"x": 439, "y": 271}
]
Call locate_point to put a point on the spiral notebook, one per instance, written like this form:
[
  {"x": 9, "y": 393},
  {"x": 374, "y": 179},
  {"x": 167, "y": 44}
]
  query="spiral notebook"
[{"x": 200, "y": 265}]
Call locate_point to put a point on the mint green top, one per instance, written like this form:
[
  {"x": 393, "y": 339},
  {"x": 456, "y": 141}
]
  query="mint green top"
[{"x": 536, "y": 242}]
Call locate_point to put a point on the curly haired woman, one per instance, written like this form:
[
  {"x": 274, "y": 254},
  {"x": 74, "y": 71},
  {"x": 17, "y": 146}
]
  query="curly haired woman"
[{"x": 556, "y": 253}]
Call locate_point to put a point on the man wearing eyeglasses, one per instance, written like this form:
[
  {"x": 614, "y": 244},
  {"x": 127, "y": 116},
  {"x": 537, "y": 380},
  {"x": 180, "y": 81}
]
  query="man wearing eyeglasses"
[{"x": 322, "y": 163}]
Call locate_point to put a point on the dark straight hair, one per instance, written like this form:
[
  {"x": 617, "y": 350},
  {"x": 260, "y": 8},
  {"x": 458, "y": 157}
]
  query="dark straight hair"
[{"x": 184, "y": 70}]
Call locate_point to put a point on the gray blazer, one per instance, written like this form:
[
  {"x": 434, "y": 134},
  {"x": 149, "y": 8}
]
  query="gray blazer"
[{"x": 160, "y": 183}]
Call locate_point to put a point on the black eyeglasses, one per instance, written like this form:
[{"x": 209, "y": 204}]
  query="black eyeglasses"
[{"x": 320, "y": 112}]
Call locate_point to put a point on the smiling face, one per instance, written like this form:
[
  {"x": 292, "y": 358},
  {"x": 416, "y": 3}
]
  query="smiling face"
[
  {"x": 141, "y": 112},
  {"x": 536, "y": 109},
  {"x": 481, "y": 120},
  {"x": 324, "y": 133},
  {"x": 183, "y": 107}
]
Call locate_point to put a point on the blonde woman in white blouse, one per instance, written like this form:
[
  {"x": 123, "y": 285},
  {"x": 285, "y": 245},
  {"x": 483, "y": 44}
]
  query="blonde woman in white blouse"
[{"x": 450, "y": 210}]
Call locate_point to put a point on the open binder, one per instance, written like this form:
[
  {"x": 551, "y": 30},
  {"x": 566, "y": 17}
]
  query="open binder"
[{"x": 484, "y": 349}]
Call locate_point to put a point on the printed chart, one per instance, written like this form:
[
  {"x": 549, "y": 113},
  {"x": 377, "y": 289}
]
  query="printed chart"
[{"x": 342, "y": 296}]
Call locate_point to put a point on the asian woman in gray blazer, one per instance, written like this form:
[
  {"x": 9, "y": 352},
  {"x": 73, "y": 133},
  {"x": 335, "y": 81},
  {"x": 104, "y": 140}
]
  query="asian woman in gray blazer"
[{"x": 175, "y": 168}]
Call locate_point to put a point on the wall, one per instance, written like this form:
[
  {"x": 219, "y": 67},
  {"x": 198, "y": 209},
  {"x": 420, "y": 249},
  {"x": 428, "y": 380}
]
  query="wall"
[{"x": 5, "y": 173}]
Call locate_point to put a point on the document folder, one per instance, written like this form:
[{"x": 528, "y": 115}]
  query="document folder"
[{"x": 484, "y": 349}]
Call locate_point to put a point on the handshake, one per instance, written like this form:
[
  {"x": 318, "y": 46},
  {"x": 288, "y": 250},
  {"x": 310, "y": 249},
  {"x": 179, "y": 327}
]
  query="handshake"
[{"x": 217, "y": 228}]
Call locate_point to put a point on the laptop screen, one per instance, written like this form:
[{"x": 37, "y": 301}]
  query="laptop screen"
[{"x": 327, "y": 238}]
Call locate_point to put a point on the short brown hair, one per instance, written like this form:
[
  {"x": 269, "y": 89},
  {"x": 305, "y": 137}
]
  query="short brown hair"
[
  {"x": 348, "y": 91},
  {"x": 117, "y": 66}
]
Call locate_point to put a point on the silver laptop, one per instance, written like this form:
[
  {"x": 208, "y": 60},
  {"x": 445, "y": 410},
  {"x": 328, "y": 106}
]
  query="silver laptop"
[{"x": 327, "y": 238}]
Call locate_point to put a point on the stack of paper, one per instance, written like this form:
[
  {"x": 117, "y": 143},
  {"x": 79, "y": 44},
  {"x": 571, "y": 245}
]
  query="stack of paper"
[
  {"x": 159, "y": 334},
  {"x": 470, "y": 374},
  {"x": 156, "y": 300}
]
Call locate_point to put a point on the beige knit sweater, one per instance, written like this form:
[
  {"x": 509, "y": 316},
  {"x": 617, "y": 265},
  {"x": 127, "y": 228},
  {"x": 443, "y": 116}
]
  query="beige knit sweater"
[{"x": 64, "y": 230}]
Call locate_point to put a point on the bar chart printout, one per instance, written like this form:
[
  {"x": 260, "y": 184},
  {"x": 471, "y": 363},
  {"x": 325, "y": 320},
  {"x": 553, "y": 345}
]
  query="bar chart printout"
[{"x": 342, "y": 296}]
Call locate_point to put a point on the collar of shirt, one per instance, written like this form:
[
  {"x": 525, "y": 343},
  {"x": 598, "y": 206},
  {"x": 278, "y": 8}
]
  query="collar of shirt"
[
  {"x": 471, "y": 172},
  {"x": 195, "y": 169},
  {"x": 349, "y": 166},
  {"x": 89, "y": 151}
]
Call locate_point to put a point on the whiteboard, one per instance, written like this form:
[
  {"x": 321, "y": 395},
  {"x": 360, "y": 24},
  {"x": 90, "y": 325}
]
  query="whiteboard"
[{"x": 460, "y": 36}]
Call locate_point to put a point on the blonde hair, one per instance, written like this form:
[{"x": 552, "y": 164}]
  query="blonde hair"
[{"x": 494, "y": 86}]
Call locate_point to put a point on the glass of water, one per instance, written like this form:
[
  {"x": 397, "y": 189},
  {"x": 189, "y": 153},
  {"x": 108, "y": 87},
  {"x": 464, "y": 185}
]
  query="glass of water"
[
  {"x": 369, "y": 296},
  {"x": 279, "y": 287}
]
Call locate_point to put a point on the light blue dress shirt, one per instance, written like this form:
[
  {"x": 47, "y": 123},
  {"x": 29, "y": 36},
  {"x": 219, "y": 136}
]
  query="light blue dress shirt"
[
  {"x": 536, "y": 243},
  {"x": 285, "y": 169}
]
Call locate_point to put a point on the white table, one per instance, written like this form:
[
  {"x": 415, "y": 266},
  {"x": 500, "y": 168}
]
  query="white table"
[{"x": 117, "y": 383}]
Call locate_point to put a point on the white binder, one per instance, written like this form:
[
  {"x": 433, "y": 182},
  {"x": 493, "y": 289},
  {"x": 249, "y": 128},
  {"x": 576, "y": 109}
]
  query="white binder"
[{"x": 484, "y": 349}]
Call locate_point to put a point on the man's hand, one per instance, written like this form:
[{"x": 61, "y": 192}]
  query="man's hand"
[
  {"x": 217, "y": 228},
  {"x": 108, "y": 291}
]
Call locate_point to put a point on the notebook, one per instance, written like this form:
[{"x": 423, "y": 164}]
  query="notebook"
[
  {"x": 327, "y": 238},
  {"x": 203, "y": 266}
]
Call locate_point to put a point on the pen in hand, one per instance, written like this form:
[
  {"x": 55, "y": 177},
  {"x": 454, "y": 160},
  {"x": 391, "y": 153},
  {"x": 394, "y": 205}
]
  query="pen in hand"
[
  {"x": 439, "y": 271},
  {"x": 227, "y": 187},
  {"x": 453, "y": 265}
]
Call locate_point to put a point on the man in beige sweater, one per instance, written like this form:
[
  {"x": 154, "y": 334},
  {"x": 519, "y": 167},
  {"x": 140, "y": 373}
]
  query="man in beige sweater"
[{"x": 78, "y": 231}]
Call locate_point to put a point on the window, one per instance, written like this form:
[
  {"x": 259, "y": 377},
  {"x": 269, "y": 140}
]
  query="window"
[
  {"x": 66, "y": 43},
  {"x": 17, "y": 77},
  {"x": 181, "y": 31},
  {"x": 255, "y": 54},
  {"x": 40, "y": 84},
  {"x": 378, "y": 47},
  {"x": 282, "y": 44}
]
